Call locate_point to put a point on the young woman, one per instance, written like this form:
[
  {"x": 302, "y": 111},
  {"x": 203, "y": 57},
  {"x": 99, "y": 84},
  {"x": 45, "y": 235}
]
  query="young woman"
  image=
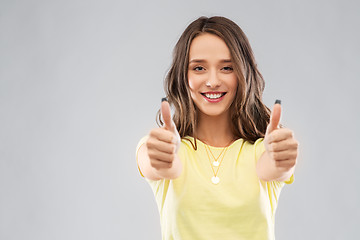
[{"x": 217, "y": 167}]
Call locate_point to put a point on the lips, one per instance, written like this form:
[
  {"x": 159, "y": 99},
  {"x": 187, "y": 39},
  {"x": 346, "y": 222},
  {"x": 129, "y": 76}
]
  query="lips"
[{"x": 213, "y": 95}]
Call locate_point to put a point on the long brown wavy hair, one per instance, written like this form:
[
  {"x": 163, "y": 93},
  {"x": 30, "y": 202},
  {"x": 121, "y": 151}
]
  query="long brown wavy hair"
[{"x": 249, "y": 115}]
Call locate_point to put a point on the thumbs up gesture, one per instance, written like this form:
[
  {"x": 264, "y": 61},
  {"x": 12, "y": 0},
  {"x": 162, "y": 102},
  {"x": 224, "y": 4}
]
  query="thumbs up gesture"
[
  {"x": 163, "y": 143},
  {"x": 280, "y": 143}
]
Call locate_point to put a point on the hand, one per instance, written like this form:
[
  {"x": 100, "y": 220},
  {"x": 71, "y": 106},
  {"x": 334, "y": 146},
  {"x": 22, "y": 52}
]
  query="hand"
[
  {"x": 163, "y": 143},
  {"x": 280, "y": 143}
]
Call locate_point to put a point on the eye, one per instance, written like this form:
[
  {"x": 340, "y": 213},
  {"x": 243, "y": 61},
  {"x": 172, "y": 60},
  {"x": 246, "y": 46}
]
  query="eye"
[
  {"x": 198, "y": 68},
  {"x": 227, "y": 68}
]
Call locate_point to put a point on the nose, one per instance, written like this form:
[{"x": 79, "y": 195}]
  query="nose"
[{"x": 213, "y": 81}]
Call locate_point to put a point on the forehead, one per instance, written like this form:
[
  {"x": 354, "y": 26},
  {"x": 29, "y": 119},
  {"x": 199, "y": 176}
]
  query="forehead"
[{"x": 209, "y": 46}]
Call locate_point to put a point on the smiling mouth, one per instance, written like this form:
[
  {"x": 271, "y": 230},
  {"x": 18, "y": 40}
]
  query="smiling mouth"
[{"x": 213, "y": 95}]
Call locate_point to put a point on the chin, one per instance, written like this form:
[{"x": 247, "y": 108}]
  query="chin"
[{"x": 213, "y": 113}]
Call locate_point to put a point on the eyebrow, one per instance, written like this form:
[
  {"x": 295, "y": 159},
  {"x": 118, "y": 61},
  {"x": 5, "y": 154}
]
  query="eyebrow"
[{"x": 202, "y": 60}]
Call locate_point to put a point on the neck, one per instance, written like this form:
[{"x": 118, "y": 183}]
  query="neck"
[{"x": 215, "y": 130}]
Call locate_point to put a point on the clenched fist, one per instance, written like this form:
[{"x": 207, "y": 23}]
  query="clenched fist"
[{"x": 163, "y": 143}]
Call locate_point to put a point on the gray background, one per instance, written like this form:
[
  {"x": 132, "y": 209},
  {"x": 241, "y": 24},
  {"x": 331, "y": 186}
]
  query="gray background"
[{"x": 80, "y": 84}]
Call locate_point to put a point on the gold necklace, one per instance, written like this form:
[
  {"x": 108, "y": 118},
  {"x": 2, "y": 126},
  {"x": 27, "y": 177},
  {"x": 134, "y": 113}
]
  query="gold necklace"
[
  {"x": 215, "y": 179},
  {"x": 215, "y": 162}
]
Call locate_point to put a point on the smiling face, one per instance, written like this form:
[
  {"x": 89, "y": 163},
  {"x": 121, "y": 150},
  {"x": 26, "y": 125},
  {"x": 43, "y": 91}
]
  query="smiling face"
[{"x": 211, "y": 77}]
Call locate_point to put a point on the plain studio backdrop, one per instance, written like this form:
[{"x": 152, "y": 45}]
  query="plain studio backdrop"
[{"x": 81, "y": 82}]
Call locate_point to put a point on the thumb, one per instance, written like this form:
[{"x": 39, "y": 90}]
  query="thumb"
[
  {"x": 275, "y": 117},
  {"x": 166, "y": 115}
]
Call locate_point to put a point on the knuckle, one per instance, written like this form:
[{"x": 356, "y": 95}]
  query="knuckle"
[
  {"x": 292, "y": 162},
  {"x": 171, "y": 157},
  {"x": 290, "y": 135},
  {"x": 149, "y": 143},
  {"x": 153, "y": 132},
  {"x": 151, "y": 154},
  {"x": 272, "y": 136},
  {"x": 154, "y": 165},
  {"x": 172, "y": 137},
  {"x": 173, "y": 148}
]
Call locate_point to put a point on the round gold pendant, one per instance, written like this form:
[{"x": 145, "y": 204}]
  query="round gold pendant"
[
  {"x": 215, "y": 180},
  {"x": 216, "y": 163}
]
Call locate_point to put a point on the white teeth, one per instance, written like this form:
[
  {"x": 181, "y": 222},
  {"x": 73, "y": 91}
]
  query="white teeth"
[{"x": 213, "y": 96}]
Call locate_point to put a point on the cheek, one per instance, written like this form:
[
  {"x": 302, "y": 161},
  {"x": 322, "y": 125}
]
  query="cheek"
[
  {"x": 192, "y": 87},
  {"x": 234, "y": 83},
  {"x": 191, "y": 84},
  {"x": 194, "y": 83}
]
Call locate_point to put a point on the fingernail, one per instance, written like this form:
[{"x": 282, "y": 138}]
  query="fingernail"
[
  {"x": 164, "y": 99},
  {"x": 278, "y": 101}
]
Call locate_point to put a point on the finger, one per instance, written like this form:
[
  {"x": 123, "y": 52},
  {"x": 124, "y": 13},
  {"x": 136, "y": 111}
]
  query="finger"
[
  {"x": 280, "y": 135},
  {"x": 283, "y": 145},
  {"x": 275, "y": 117},
  {"x": 161, "y": 156},
  {"x": 160, "y": 164},
  {"x": 163, "y": 135},
  {"x": 166, "y": 114},
  {"x": 283, "y": 155},
  {"x": 161, "y": 146},
  {"x": 286, "y": 164}
]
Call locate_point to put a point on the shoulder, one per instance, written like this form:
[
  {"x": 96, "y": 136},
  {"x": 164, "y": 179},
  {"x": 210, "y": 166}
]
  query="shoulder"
[
  {"x": 259, "y": 148},
  {"x": 256, "y": 149},
  {"x": 188, "y": 143},
  {"x": 259, "y": 143}
]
